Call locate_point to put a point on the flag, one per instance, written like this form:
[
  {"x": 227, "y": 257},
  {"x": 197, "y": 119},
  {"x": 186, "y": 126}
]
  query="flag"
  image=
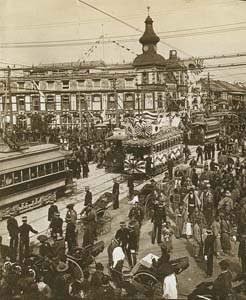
[
  {"x": 40, "y": 92},
  {"x": 148, "y": 116}
]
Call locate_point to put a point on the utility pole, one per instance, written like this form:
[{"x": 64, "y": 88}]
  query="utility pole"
[
  {"x": 208, "y": 104},
  {"x": 117, "y": 116},
  {"x": 8, "y": 102}
]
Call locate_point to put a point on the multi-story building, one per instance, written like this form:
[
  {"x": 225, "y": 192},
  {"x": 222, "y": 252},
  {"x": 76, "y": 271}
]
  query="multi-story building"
[{"x": 70, "y": 91}]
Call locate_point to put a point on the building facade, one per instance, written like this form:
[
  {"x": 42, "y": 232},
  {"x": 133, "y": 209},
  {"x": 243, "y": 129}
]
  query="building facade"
[{"x": 72, "y": 93}]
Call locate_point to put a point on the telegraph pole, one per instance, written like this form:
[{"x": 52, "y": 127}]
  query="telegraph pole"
[{"x": 117, "y": 116}]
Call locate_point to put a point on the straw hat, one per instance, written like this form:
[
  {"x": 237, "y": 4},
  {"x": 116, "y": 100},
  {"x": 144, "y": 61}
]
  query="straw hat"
[{"x": 62, "y": 267}]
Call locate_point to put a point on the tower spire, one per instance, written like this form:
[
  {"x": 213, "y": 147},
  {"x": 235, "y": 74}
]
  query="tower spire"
[{"x": 148, "y": 8}]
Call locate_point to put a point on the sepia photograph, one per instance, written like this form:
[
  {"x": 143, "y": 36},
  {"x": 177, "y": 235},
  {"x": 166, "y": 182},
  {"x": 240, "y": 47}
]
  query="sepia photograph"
[{"x": 123, "y": 150}]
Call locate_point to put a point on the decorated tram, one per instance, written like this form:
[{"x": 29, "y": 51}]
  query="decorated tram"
[
  {"x": 31, "y": 177},
  {"x": 147, "y": 156}
]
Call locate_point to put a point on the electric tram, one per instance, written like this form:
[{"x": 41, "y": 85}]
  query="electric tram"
[
  {"x": 148, "y": 156},
  {"x": 31, "y": 177},
  {"x": 206, "y": 129}
]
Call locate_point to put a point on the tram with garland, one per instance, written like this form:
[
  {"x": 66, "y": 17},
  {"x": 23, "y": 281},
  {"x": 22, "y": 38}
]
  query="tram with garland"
[
  {"x": 147, "y": 156},
  {"x": 31, "y": 177}
]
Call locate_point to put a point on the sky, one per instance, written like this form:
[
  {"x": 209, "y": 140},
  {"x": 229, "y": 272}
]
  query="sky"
[{"x": 196, "y": 28}]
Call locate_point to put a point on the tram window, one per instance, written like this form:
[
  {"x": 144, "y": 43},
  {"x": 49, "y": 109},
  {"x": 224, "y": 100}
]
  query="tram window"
[
  {"x": 41, "y": 170},
  {"x": 61, "y": 165},
  {"x": 26, "y": 175},
  {"x": 34, "y": 173},
  {"x": 2, "y": 181},
  {"x": 17, "y": 176},
  {"x": 55, "y": 166},
  {"x": 9, "y": 178},
  {"x": 48, "y": 168}
]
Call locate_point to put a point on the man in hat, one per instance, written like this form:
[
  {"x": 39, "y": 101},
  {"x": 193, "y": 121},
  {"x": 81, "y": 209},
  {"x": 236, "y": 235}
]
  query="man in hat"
[
  {"x": 207, "y": 204},
  {"x": 209, "y": 251},
  {"x": 13, "y": 229},
  {"x": 88, "y": 196},
  {"x": 191, "y": 201},
  {"x": 56, "y": 224},
  {"x": 52, "y": 210},
  {"x": 45, "y": 249},
  {"x": 226, "y": 204},
  {"x": 115, "y": 194},
  {"x": 70, "y": 235},
  {"x": 88, "y": 216},
  {"x": 158, "y": 217},
  {"x": 60, "y": 282},
  {"x": 131, "y": 250},
  {"x": 122, "y": 235},
  {"x": 223, "y": 283},
  {"x": 24, "y": 230},
  {"x": 71, "y": 213},
  {"x": 137, "y": 213}
]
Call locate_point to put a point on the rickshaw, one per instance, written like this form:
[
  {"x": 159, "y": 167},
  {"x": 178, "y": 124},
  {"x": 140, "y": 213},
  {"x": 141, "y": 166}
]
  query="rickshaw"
[
  {"x": 145, "y": 278},
  {"x": 103, "y": 217}
]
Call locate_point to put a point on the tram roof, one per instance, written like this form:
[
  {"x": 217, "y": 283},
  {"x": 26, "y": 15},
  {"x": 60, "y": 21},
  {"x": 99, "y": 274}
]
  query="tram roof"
[
  {"x": 155, "y": 139},
  {"x": 33, "y": 156},
  {"x": 117, "y": 138}
]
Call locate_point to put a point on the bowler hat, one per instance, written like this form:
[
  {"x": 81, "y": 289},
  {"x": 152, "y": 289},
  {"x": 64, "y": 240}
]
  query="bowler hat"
[
  {"x": 42, "y": 238},
  {"x": 71, "y": 205},
  {"x": 99, "y": 266}
]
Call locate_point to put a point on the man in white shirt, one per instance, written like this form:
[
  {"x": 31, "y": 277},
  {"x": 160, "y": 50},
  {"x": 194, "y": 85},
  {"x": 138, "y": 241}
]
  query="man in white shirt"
[{"x": 170, "y": 287}]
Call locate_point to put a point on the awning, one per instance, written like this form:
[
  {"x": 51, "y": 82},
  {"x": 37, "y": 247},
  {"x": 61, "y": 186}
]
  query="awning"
[{"x": 23, "y": 162}]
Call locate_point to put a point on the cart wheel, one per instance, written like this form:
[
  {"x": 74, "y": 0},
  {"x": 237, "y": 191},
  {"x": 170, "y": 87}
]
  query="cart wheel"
[
  {"x": 75, "y": 269},
  {"x": 147, "y": 206},
  {"x": 145, "y": 280}
]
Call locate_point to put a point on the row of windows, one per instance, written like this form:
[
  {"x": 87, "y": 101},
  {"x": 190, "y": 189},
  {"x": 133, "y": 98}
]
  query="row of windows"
[
  {"x": 31, "y": 173},
  {"x": 167, "y": 144},
  {"x": 73, "y": 84},
  {"x": 77, "y": 102}
]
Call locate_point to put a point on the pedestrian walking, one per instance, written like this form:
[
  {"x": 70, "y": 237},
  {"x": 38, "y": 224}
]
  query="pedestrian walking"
[
  {"x": 130, "y": 185},
  {"x": 25, "y": 230},
  {"x": 158, "y": 218},
  {"x": 70, "y": 234},
  {"x": 88, "y": 196},
  {"x": 209, "y": 251},
  {"x": 115, "y": 194},
  {"x": 56, "y": 225},
  {"x": 180, "y": 217},
  {"x": 199, "y": 152},
  {"x": 71, "y": 213},
  {"x": 52, "y": 210},
  {"x": 13, "y": 229},
  {"x": 85, "y": 168},
  {"x": 122, "y": 235}
]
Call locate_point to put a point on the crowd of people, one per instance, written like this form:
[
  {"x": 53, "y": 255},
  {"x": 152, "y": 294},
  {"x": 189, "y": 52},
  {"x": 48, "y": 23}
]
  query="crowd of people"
[{"x": 207, "y": 204}]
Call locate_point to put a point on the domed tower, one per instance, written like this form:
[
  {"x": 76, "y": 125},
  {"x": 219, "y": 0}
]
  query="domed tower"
[{"x": 149, "y": 41}]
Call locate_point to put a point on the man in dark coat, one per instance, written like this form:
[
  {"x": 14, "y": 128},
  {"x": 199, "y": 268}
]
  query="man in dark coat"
[
  {"x": 24, "y": 230},
  {"x": 209, "y": 251},
  {"x": 52, "y": 210},
  {"x": 88, "y": 216},
  {"x": 70, "y": 235},
  {"x": 13, "y": 229},
  {"x": 148, "y": 166},
  {"x": 122, "y": 235},
  {"x": 159, "y": 217},
  {"x": 199, "y": 152},
  {"x": 194, "y": 177},
  {"x": 115, "y": 194},
  {"x": 56, "y": 225},
  {"x": 130, "y": 185},
  {"x": 88, "y": 196},
  {"x": 85, "y": 169}
]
